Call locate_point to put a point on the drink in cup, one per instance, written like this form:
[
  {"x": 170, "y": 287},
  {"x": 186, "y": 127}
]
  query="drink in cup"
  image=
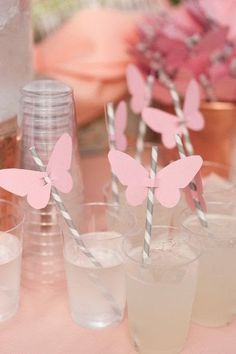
[
  {"x": 160, "y": 293},
  {"x": 11, "y": 224},
  {"x": 216, "y": 283},
  {"x": 97, "y": 293}
]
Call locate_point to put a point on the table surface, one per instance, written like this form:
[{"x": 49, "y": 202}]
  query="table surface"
[{"x": 43, "y": 324}]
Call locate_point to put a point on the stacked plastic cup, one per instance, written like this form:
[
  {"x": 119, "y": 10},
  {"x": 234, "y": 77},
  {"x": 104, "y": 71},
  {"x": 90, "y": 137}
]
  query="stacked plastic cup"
[{"x": 47, "y": 111}]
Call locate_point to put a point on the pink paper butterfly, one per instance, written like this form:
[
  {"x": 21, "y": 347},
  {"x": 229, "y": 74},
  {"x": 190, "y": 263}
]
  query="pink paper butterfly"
[
  {"x": 197, "y": 195},
  {"x": 120, "y": 126},
  {"x": 168, "y": 181},
  {"x": 168, "y": 124},
  {"x": 138, "y": 89},
  {"x": 211, "y": 42},
  {"x": 214, "y": 40},
  {"x": 37, "y": 185}
]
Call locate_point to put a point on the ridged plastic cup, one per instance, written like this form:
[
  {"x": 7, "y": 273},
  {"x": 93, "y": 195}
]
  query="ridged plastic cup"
[{"x": 47, "y": 111}]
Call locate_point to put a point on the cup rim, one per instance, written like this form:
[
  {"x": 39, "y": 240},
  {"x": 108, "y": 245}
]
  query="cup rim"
[
  {"x": 46, "y": 87},
  {"x": 219, "y": 165},
  {"x": 19, "y": 211},
  {"x": 219, "y": 105},
  {"x": 193, "y": 213},
  {"x": 99, "y": 203},
  {"x": 132, "y": 227},
  {"x": 92, "y": 235},
  {"x": 138, "y": 262}
]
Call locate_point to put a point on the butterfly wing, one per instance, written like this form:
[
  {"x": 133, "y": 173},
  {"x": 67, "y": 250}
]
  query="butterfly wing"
[
  {"x": 193, "y": 117},
  {"x": 26, "y": 183},
  {"x": 175, "y": 58},
  {"x": 17, "y": 181},
  {"x": 131, "y": 174},
  {"x": 164, "y": 123},
  {"x": 120, "y": 126},
  {"x": 174, "y": 177},
  {"x": 59, "y": 164},
  {"x": 214, "y": 40},
  {"x": 198, "y": 64},
  {"x": 136, "y": 87},
  {"x": 38, "y": 197}
]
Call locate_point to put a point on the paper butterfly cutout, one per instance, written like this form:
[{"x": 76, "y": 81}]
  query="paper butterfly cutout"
[
  {"x": 167, "y": 183},
  {"x": 120, "y": 126},
  {"x": 214, "y": 40},
  {"x": 168, "y": 125},
  {"x": 198, "y": 194},
  {"x": 37, "y": 185},
  {"x": 137, "y": 87}
]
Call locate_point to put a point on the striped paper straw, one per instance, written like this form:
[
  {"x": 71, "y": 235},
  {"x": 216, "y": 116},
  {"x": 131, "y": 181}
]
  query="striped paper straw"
[
  {"x": 73, "y": 230},
  {"x": 142, "y": 125},
  {"x": 110, "y": 116},
  {"x": 206, "y": 84},
  {"x": 150, "y": 206},
  {"x": 178, "y": 110},
  {"x": 65, "y": 213},
  {"x": 192, "y": 185}
]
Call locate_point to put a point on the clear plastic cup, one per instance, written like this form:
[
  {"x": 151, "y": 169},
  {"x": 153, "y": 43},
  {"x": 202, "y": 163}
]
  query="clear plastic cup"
[
  {"x": 216, "y": 289},
  {"x": 16, "y": 56},
  {"x": 11, "y": 228},
  {"x": 160, "y": 293},
  {"x": 47, "y": 112},
  {"x": 219, "y": 184},
  {"x": 97, "y": 293},
  {"x": 161, "y": 215},
  {"x": 219, "y": 181}
]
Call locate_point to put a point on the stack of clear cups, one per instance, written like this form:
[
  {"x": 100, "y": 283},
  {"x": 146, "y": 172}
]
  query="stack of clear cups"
[{"x": 47, "y": 111}]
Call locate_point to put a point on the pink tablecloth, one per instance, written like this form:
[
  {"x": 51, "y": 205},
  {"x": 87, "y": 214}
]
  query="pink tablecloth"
[{"x": 43, "y": 324}]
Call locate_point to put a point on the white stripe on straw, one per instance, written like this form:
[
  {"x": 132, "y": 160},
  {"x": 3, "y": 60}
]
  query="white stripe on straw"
[
  {"x": 177, "y": 106},
  {"x": 110, "y": 116},
  {"x": 192, "y": 185},
  {"x": 142, "y": 125},
  {"x": 107, "y": 295},
  {"x": 150, "y": 207}
]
